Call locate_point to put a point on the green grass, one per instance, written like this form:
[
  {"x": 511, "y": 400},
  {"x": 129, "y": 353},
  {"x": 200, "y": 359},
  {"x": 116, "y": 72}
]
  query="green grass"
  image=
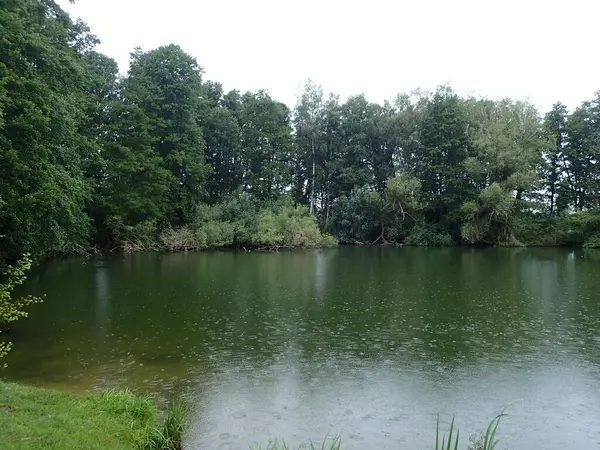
[
  {"x": 487, "y": 441},
  {"x": 35, "y": 418},
  {"x": 327, "y": 444},
  {"x": 170, "y": 435}
]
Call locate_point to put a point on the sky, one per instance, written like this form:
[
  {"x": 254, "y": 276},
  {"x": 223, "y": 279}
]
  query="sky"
[{"x": 543, "y": 51}]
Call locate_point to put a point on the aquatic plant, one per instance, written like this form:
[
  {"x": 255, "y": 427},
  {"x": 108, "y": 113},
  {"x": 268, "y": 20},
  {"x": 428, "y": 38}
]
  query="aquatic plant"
[
  {"x": 169, "y": 436},
  {"x": 446, "y": 445},
  {"x": 334, "y": 443},
  {"x": 488, "y": 441}
]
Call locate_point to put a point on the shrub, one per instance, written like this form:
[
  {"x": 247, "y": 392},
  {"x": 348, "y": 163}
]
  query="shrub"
[
  {"x": 169, "y": 436},
  {"x": 423, "y": 234},
  {"x": 182, "y": 238},
  {"x": 290, "y": 227},
  {"x": 356, "y": 218},
  {"x": 12, "y": 308},
  {"x": 133, "y": 238},
  {"x": 215, "y": 233},
  {"x": 593, "y": 242}
]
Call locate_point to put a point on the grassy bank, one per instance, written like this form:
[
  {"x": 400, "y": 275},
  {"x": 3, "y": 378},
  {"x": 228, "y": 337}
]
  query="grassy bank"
[{"x": 35, "y": 418}]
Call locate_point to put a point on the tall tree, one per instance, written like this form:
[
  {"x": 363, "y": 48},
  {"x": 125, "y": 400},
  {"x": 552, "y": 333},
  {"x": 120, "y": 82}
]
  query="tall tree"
[
  {"x": 555, "y": 124},
  {"x": 309, "y": 124},
  {"x": 223, "y": 136},
  {"x": 444, "y": 147},
  {"x": 582, "y": 154},
  {"x": 503, "y": 169},
  {"x": 134, "y": 185},
  {"x": 42, "y": 188},
  {"x": 267, "y": 145},
  {"x": 166, "y": 83},
  {"x": 333, "y": 148},
  {"x": 352, "y": 161}
]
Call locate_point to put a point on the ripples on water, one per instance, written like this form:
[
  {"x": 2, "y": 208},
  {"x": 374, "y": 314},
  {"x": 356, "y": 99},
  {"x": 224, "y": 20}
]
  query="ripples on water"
[{"x": 367, "y": 343}]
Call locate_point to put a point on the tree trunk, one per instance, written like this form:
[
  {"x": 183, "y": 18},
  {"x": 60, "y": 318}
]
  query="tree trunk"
[{"x": 312, "y": 182}]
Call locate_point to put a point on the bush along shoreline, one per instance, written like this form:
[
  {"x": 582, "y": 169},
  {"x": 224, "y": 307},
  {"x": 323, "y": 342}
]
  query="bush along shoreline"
[{"x": 240, "y": 223}]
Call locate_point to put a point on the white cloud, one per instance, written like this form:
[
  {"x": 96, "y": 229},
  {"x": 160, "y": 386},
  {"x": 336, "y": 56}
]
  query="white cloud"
[{"x": 544, "y": 50}]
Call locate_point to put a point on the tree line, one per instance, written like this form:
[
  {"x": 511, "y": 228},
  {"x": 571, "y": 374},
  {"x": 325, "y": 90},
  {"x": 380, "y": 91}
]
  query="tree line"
[{"x": 163, "y": 159}]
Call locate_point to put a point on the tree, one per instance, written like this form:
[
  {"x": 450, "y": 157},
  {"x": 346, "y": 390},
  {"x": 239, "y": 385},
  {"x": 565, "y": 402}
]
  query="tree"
[
  {"x": 42, "y": 187},
  {"x": 223, "y": 137},
  {"x": 503, "y": 167},
  {"x": 166, "y": 83},
  {"x": 267, "y": 145},
  {"x": 356, "y": 217},
  {"x": 444, "y": 147},
  {"x": 582, "y": 154},
  {"x": 11, "y": 308},
  {"x": 352, "y": 161},
  {"x": 553, "y": 156},
  {"x": 406, "y": 125},
  {"x": 134, "y": 185},
  {"x": 309, "y": 125},
  {"x": 401, "y": 207}
]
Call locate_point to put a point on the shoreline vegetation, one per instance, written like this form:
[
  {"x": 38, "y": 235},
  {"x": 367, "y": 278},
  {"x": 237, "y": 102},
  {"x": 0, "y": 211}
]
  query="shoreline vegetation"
[
  {"x": 161, "y": 158},
  {"x": 39, "y": 418}
]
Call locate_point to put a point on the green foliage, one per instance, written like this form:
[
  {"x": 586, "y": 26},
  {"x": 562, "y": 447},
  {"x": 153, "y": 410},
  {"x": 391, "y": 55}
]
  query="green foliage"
[
  {"x": 444, "y": 147},
  {"x": 357, "y": 218},
  {"x": 42, "y": 188},
  {"x": 13, "y": 308},
  {"x": 239, "y": 222},
  {"x": 43, "y": 418},
  {"x": 541, "y": 230},
  {"x": 487, "y": 441},
  {"x": 443, "y": 445},
  {"x": 183, "y": 238},
  {"x": 334, "y": 443},
  {"x": 290, "y": 227},
  {"x": 90, "y": 158},
  {"x": 125, "y": 403},
  {"x": 166, "y": 84},
  {"x": 267, "y": 142},
  {"x": 592, "y": 242},
  {"x": 169, "y": 436},
  {"x": 490, "y": 441},
  {"x": 582, "y": 226},
  {"x": 135, "y": 184},
  {"x": 424, "y": 234},
  {"x": 401, "y": 206},
  {"x": 132, "y": 238},
  {"x": 490, "y": 218}
]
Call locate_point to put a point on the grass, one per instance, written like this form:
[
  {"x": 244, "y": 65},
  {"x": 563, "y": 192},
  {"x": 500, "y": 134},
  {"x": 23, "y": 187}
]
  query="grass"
[
  {"x": 327, "y": 444},
  {"x": 35, "y": 418},
  {"x": 488, "y": 441},
  {"x": 170, "y": 435}
]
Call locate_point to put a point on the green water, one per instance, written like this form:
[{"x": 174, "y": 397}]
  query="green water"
[{"x": 368, "y": 343}]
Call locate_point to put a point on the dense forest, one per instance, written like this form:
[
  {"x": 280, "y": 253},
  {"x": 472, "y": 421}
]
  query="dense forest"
[{"x": 162, "y": 159}]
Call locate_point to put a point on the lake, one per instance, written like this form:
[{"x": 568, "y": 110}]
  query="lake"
[{"x": 366, "y": 343}]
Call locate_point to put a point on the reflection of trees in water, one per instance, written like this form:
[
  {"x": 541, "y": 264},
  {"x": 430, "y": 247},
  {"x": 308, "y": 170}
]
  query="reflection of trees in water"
[
  {"x": 102, "y": 310},
  {"x": 190, "y": 313}
]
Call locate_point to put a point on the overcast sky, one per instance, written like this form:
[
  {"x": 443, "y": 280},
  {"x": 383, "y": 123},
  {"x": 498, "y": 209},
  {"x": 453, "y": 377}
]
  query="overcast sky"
[{"x": 541, "y": 50}]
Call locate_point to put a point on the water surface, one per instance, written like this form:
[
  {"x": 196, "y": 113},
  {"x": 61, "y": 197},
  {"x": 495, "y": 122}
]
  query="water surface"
[{"x": 367, "y": 343}]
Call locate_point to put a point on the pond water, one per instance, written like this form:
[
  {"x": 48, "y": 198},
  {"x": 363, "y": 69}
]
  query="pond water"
[{"x": 366, "y": 343}]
